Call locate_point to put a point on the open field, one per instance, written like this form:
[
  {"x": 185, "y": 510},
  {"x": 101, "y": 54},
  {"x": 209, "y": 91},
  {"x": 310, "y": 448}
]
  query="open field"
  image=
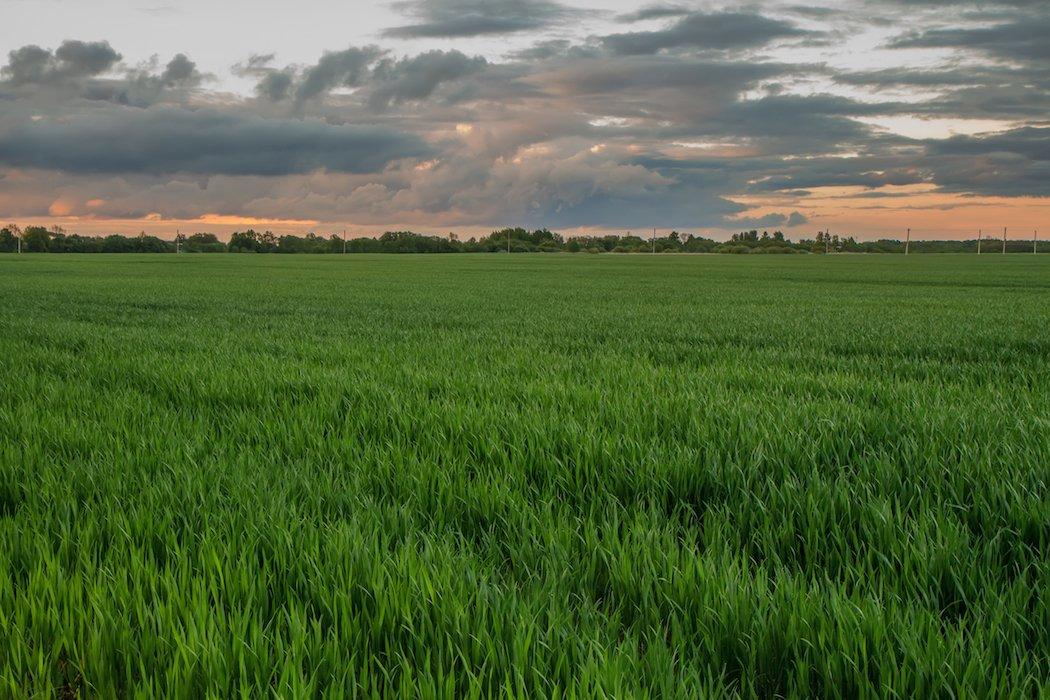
[{"x": 525, "y": 475}]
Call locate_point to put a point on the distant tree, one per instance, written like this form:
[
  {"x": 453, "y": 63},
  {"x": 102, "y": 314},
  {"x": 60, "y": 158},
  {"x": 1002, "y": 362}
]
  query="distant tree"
[
  {"x": 698, "y": 244},
  {"x": 35, "y": 239},
  {"x": 152, "y": 244},
  {"x": 9, "y": 238},
  {"x": 118, "y": 244},
  {"x": 243, "y": 242},
  {"x": 267, "y": 242},
  {"x": 203, "y": 243}
]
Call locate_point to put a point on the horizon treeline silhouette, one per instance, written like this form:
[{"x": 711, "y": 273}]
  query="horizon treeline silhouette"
[{"x": 38, "y": 239}]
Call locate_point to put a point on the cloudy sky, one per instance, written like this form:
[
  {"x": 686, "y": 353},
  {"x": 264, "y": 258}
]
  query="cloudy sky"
[{"x": 864, "y": 117}]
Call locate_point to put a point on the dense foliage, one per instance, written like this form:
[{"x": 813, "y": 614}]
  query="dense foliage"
[
  {"x": 513, "y": 240},
  {"x": 539, "y": 476}
]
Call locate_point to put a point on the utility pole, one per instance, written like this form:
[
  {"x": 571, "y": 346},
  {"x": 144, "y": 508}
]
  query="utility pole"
[
  {"x": 1004, "y": 240},
  {"x": 907, "y": 242},
  {"x": 978, "y": 241},
  {"x": 654, "y": 241}
]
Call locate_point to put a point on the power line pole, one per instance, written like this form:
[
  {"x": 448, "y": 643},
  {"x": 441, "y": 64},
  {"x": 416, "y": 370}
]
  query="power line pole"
[
  {"x": 907, "y": 242},
  {"x": 1004, "y": 240},
  {"x": 979, "y": 231},
  {"x": 654, "y": 241}
]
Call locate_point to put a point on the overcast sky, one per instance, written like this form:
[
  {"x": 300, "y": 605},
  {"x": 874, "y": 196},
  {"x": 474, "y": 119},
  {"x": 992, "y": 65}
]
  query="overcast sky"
[{"x": 864, "y": 117}]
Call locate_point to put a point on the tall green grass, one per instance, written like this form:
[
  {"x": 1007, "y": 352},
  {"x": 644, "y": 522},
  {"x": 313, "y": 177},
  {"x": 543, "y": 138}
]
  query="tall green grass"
[{"x": 524, "y": 476}]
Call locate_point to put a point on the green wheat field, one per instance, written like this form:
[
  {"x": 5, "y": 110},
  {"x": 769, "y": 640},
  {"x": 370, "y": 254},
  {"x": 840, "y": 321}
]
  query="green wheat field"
[{"x": 525, "y": 476}]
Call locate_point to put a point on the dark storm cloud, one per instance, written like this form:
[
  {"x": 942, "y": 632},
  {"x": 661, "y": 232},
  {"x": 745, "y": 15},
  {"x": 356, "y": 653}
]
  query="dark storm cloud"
[
  {"x": 72, "y": 60},
  {"x": 466, "y": 18},
  {"x": 719, "y": 30},
  {"x": 418, "y": 77},
  {"x": 202, "y": 141},
  {"x": 1018, "y": 40}
]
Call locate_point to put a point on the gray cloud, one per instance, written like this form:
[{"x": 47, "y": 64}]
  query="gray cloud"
[
  {"x": 610, "y": 77},
  {"x": 1010, "y": 163},
  {"x": 772, "y": 220},
  {"x": 984, "y": 4},
  {"x": 466, "y": 18},
  {"x": 73, "y": 59},
  {"x": 384, "y": 80},
  {"x": 79, "y": 58},
  {"x": 29, "y": 64},
  {"x": 1019, "y": 40},
  {"x": 93, "y": 71},
  {"x": 181, "y": 71},
  {"x": 653, "y": 12},
  {"x": 202, "y": 141},
  {"x": 543, "y": 50},
  {"x": 720, "y": 30},
  {"x": 337, "y": 69},
  {"x": 1032, "y": 143},
  {"x": 904, "y": 77},
  {"x": 870, "y": 172},
  {"x": 271, "y": 84},
  {"x": 275, "y": 85},
  {"x": 418, "y": 77}
]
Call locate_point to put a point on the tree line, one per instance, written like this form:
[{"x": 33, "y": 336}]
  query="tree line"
[{"x": 38, "y": 239}]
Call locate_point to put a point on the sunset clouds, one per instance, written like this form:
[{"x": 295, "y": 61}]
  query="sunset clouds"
[{"x": 665, "y": 115}]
